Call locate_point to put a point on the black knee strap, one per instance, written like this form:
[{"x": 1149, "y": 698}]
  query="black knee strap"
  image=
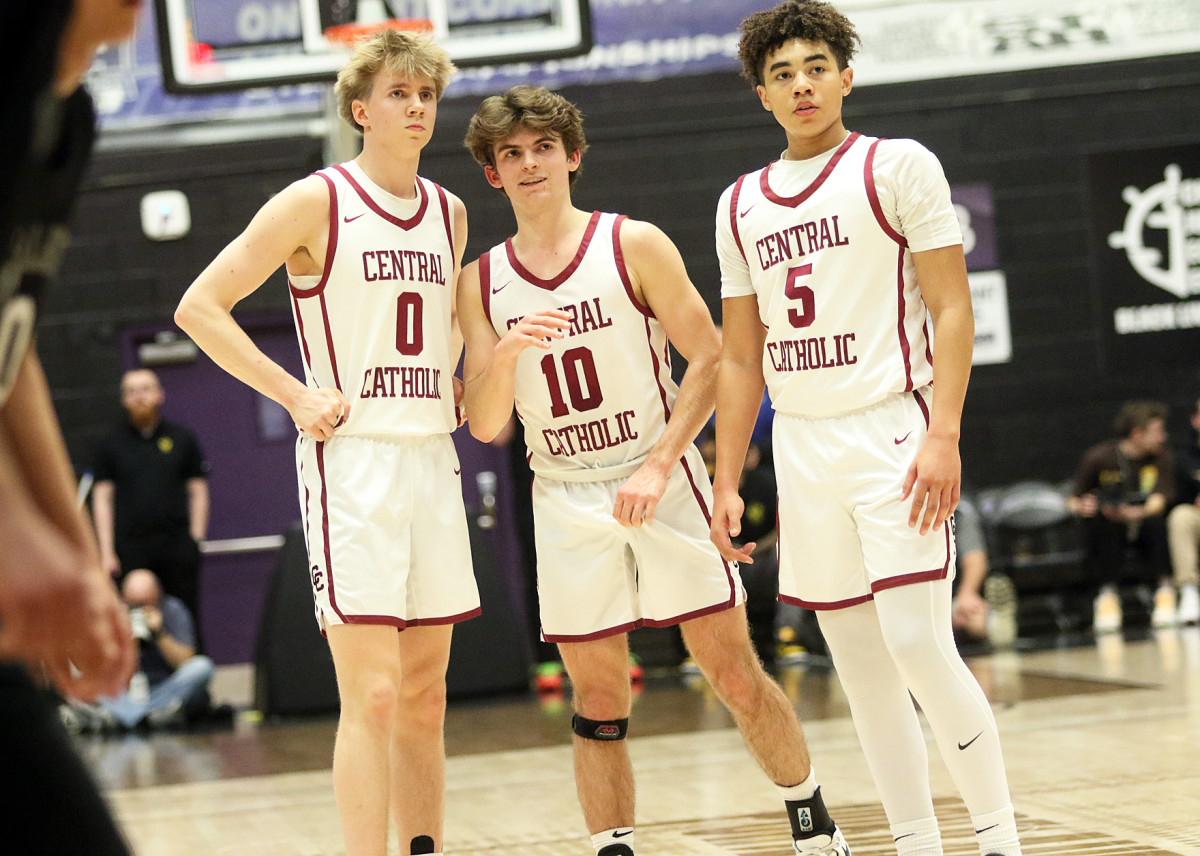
[{"x": 600, "y": 729}]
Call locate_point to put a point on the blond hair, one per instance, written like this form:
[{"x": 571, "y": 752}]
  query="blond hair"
[
  {"x": 533, "y": 107},
  {"x": 409, "y": 54}
]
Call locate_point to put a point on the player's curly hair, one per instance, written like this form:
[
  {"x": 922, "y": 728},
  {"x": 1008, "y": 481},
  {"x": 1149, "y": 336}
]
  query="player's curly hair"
[
  {"x": 403, "y": 52},
  {"x": 532, "y": 107},
  {"x": 807, "y": 20}
]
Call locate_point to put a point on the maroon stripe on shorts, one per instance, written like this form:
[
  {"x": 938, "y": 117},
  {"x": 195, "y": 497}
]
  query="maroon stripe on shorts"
[
  {"x": 921, "y": 576},
  {"x": 708, "y": 519},
  {"x": 825, "y": 604},
  {"x": 446, "y": 619},
  {"x": 325, "y": 530}
]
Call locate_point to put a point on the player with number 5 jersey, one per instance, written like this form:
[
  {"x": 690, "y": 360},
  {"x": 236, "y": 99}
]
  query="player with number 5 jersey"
[
  {"x": 844, "y": 288},
  {"x": 372, "y": 252}
]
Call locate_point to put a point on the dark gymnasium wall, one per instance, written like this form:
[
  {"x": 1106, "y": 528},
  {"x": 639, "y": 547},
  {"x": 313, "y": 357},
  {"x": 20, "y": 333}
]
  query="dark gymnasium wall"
[{"x": 664, "y": 151}]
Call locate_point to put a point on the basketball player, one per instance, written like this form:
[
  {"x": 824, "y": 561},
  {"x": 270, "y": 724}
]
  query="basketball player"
[
  {"x": 58, "y": 607},
  {"x": 570, "y": 319},
  {"x": 835, "y": 261},
  {"x": 372, "y": 252}
]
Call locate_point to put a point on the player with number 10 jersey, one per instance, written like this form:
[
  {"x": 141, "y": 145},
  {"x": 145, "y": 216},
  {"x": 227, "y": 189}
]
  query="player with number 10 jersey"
[{"x": 599, "y": 398}]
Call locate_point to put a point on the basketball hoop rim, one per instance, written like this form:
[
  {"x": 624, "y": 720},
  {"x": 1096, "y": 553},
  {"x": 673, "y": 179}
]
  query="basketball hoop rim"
[{"x": 348, "y": 35}]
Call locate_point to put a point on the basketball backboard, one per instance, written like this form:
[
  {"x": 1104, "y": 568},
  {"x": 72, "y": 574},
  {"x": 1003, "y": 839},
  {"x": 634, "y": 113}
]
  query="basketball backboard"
[{"x": 227, "y": 45}]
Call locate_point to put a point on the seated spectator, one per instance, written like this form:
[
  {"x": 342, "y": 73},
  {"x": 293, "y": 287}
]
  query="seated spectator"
[
  {"x": 1183, "y": 526},
  {"x": 1121, "y": 491},
  {"x": 172, "y": 680},
  {"x": 984, "y": 606}
]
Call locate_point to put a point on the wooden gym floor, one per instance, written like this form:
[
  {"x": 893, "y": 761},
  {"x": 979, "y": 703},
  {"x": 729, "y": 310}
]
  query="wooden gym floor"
[{"x": 1101, "y": 737}]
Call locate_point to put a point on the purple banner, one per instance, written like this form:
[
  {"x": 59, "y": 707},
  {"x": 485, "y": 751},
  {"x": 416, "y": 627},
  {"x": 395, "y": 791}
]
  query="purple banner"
[{"x": 634, "y": 40}]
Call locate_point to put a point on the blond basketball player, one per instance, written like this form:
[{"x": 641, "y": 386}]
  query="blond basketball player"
[
  {"x": 570, "y": 320},
  {"x": 372, "y": 252},
  {"x": 835, "y": 261}
]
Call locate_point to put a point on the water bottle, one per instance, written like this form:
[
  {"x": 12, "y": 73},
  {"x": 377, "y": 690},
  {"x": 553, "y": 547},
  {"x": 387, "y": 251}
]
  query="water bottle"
[
  {"x": 139, "y": 688},
  {"x": 486, "y": 483}
]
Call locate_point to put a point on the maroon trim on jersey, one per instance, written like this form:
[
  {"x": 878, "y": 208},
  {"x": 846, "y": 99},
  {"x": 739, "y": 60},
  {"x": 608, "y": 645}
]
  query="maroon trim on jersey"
[
  {"x": 924, "y": 407},
  {"x": 300, "y": 330},
  {"x": 708, "y": 519},
  {"x": 873, "y": 197},
  {"x": 794, "y": 201},
  {"x": 825, "y": 604},
  {"x": 562, "y": 276},
  {"x": 733, "y": 218},
  {"x": 619, "y": 257},
  {"x": 325, "y": 529},
  {"x": 919, "y": 577},
  {"x": 446, "y": 619},
  {"x": 905, "y": 347},
  {"x": 446, "y": 217},
  {"x": 329, "y": 342},
  {"x": 330, "y": 245},
  {"x": 662, "y": 391},
  {"x": 485, "y": 285},
  {"x": 374, "y": 206}
]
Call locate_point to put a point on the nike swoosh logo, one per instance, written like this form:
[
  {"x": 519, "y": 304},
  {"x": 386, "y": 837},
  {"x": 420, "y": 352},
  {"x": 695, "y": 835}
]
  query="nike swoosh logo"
[
  {"x": 352, "y": 219},
  {"x": 902, "y": 439},
  {"x": 905, "y": 835},
  {"x": 986, "y": 828},
  {"x": 457, "y": 471},
  {"x": 622, "y": 834},
  {"x": 969, "y": 742},
  {"x": 496, "y": 289},
  {"x": 746, "y": 211}
]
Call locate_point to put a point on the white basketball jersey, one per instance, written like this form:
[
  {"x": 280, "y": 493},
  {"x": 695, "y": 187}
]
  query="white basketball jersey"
[
  {"x": 376, "y": 323},
  {"x": 595, "y": 403},
  {"x": 836, "y": 288}
]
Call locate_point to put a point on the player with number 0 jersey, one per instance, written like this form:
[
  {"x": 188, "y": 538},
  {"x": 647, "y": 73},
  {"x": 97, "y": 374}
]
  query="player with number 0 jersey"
[{"x": 372, "y": 252}]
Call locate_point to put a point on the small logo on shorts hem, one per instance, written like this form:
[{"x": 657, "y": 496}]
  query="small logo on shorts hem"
[{"x": 902, "y": 439}]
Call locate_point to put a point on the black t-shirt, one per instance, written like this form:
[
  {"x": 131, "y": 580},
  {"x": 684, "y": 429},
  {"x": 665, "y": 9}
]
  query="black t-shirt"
[
  {"x": 44, "y": 146},
  {"x": 149, "y": 476},
  {"x": 1117, "y": 479}
]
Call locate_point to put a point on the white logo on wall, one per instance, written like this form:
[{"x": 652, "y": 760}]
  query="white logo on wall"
[{"x": 1172, "y": 207}]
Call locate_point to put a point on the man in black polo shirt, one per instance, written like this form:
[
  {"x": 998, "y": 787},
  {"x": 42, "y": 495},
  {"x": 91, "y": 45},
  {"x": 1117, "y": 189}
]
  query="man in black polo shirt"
[{"x": 150, "y": 500}]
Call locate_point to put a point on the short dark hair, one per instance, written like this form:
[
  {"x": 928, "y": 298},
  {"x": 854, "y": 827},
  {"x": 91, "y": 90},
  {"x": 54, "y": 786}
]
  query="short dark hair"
[
  {"x": 535, "y": 108},
  {"x": 1138, "y": 414},
  {"x": 807, "y": 20}
]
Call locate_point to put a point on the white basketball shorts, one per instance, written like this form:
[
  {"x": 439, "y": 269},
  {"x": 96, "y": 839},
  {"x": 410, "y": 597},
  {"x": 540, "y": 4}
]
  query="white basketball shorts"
[
  {"x": 386, "y": 530},
  {"x": 843, "y": 528},
  {"x": 597, "y": 578}
]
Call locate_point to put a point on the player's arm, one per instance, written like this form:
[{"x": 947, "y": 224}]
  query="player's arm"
[
  {"x": 57, "y": 603},
  {"x": 935, "y": 477},
  {"x": 489, "y": 371},
  {"x": 291, "y": 225},
  {"x": 740, "y": 385},
  {"x": 456, "y": 338},
  {"x": 656, "y": 270}
]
